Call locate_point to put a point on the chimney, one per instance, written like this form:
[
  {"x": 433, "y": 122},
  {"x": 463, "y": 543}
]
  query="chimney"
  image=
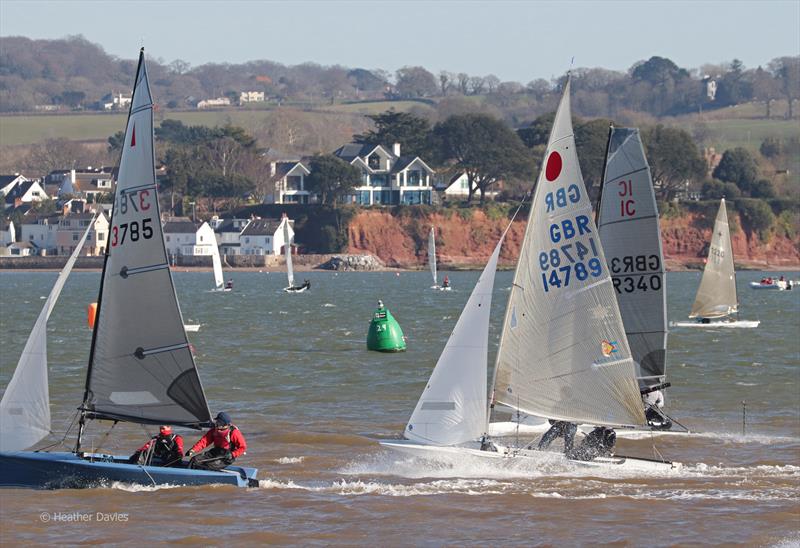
[
  {"x": 272, "y": 167},
  {"x": 72, "y": 176},
  {"x": 396, "y": 149}
]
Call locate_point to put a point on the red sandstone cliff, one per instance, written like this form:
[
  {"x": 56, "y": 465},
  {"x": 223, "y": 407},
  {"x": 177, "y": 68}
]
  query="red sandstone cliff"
[{"x": 402, "y": 241}]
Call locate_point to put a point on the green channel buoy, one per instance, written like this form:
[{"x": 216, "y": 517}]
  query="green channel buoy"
[{"x": 385, "y": 334}]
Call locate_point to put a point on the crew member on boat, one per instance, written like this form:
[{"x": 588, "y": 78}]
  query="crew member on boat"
[
  {"x": 559, "y": 429},
  {"x": 446, "y": 282},
  {"x": 165, "y": 449},
  {"x": 227, "y": 441},
  {"x": 229, "y": 284},
  {"x": 597, "y": 443},
  {"x": 653, "y": 402}
]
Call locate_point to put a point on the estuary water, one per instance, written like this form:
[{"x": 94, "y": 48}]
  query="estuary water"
[{"x": 294, "y": 373}]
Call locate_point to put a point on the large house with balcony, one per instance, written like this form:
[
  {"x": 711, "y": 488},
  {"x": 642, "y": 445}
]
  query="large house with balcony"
[
  {"x": 387, "y": 177},
  {"x": 288, "y": 184}
]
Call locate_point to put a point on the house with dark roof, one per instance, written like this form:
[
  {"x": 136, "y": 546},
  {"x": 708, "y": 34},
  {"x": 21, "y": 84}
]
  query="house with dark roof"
[
  {"x": 8, "y": 182},
  {"x": 24, "y": 192},
  {"x": 265, "y": 236},
  {"x": 387, "y": 177},
  {"x": 287, "y": 184},
  {"x": 228, "y": 233},
  {"x": 182, "y": 236},
  {"x": 89, "y": 183}
]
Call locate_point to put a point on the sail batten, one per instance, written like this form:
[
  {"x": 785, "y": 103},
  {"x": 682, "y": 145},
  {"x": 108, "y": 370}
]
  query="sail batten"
[
  {"x": 137, "y": 307},
  {"x": 629, "y": 231},
  {"x": 716, "y": 297},
  {"x": 563, "y": 351}
]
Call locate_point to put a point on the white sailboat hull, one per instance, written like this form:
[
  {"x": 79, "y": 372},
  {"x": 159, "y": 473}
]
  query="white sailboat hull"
[
  {"x": 714, "y": 324},
  {"x": 301, "y": 289},
  {"x": 506, "y": 453},
  {"x": 779, "y": 285},
  {"x": 526, "y": 428},
  {"x": 192, "y": 328},
  {"x": 440, "y": 288}
]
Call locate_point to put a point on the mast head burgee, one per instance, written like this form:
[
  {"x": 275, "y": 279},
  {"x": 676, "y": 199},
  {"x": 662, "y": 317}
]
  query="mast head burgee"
[
  {"x": 563, "y": 352},
  {"x": 141, "y": 368}
]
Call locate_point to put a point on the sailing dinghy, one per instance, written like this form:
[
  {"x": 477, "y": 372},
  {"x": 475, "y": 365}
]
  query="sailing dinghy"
[
  {"x": 141, "y": 369},
  {"x": 716, "y": 300},
  {"x": 291, "y": 288},
  {"x": 216, "y": 262},
  {"x": 432, "y": 262},
  {"x": 563, "y": 353}
]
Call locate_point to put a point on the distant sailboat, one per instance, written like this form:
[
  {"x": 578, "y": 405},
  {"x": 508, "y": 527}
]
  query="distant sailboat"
[
  {"x": 291, "y": 288},
  {"x": 432, "y": 263},
  {"x": 562, "y": 354},
  {"x": 216, "y": 261},
  {"x": 716, "y": 300},
  {"x": 141, "y": 368}
]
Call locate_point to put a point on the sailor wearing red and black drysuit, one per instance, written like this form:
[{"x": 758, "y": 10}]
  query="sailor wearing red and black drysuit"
[
  {"x": 228, "y": 444},
  {"x": 165, "y": 449}
]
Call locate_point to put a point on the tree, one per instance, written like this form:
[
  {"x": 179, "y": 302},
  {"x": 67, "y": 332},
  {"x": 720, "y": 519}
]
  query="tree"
[
  {"x": 756, "y": 214},
  {"x": 331, "y": 178},
  {"x": 737, "y": 166},
  {"x": 392, "y": 127},
  {"x": 714, "y": 190},
  {"x": 538, "y": 132},
  {"x": 674, "y": 159},
  {"x": 765, "y": 88},
  {"x": 446, "y": 80},
  {"x": 787, "y": 69},
  {"x": 771, "y": 147},
  {"x": 484, "y": 148},
  {"x": 763, "y": 189},
  {"x": 115, "y": 142},
  {"x": 415, "y": 82},
  {"x": 591, "y": 139}
]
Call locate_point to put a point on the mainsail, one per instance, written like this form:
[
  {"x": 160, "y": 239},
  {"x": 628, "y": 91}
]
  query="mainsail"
[
  {"x": 716, "y": 296},
  {"x": 452, "y": 408},
  {"x": 628, "y": 227},
  {"x": 432, "y": 255},
  {"x": 25, "y": 407},
  {"x": 141, "y": 368},
  {"x": 563, "y": 352},
  {"x": 219, "y": 280},
  {"x": 287, "y": 244}
]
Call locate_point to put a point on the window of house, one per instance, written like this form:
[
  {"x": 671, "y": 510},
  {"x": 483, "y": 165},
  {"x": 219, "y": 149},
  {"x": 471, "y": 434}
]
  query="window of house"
[
  {"x": 294, "y": 182},
  {"x": 379, "y": 180},
  {"x": 374, "y": 161},
  {"x": 413, "y": 178},
  {"x": 167, "y": 238},
  {"x": 247, "y": 240},
  {"x": 101, "y": 236},
  {"x": 76, "y": 237},
  {"x": 201, "y": 239}
]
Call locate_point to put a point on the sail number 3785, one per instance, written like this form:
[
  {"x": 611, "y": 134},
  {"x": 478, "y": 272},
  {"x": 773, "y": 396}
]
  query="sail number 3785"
[{"x": 132, "y": 232}]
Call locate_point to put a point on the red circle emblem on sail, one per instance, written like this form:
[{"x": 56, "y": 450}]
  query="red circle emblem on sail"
[{"x": 554, "y": 164}]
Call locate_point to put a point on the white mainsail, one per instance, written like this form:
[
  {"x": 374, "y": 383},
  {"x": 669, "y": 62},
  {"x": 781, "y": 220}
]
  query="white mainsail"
[
  {"x": 219, "y": 280},
  {"x": 452, "y": 408},
  {"x": 141, "y": 368},
  {"x": 432, "y": 256},
  {"x": 716, "y": 296},
  {"x": 563, "y": 352},
  {"x": 629, "y": 230},
  {"x": 25, "y": 407},
  {"x": 288, "y": 247}
]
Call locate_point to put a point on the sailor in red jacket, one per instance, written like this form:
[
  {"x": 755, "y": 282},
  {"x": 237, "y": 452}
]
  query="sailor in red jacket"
[
  {"x": 228, "y": 444},
  {"x": 165, "y": 449}
]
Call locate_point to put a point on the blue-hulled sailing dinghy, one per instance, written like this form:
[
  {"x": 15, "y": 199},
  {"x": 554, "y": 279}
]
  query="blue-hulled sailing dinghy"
[{"x": 141, "y": 368}]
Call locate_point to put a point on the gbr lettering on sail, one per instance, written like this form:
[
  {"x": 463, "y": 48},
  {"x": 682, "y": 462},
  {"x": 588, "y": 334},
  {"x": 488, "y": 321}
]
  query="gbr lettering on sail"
[{"x": 569, "y": 255}]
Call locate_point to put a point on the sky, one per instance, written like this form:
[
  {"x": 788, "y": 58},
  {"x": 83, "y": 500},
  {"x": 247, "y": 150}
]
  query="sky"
[{"x": 514, "y": 40}]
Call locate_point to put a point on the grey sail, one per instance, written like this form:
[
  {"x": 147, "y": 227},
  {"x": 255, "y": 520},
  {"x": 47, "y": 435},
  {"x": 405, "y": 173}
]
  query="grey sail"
[
  {"x": 716, "y": 296},
  {"x": 432, "y": 255},
  {"x": 629, "y": 231},
  {"x": 563, "y": 353},
  {"x": 141, "y": 368},
  {"x": 25, "y": 407}
]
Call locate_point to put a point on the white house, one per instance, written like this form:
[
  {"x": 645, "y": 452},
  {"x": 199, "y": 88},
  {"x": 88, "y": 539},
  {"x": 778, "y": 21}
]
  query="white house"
[
  {"x": 183, "y": 237},
  {"x": 72, "y": 227},
  {"x": 265, "y": 236},
  {"x": 457, "y": 187},
  {"x": 42, "y": 232},
  {"x": 8, "y": 233},
  {"x": 228, "y": 233},
  {"x": 7, "y": 182},
  {"x": 288, "y": 184},
  {"x": 211, "y": 103},
  {"x": 24, "y": 192},
  {"x": 21, "y": 249},
  {"x": 387, "y": 176},
  {"x": 116, "y": 101},
  {"x": 251, "y": 97}
]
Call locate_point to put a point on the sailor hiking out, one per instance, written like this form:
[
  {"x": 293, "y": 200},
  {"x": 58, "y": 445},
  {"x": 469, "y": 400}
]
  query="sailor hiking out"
[
  {"x": 228, "y": 445},
  {"x": 165, "y": 449}
]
